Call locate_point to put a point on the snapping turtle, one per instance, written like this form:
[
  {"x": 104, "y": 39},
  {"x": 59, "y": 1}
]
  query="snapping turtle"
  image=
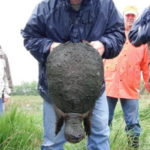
[{"x": 75, "y": 77}]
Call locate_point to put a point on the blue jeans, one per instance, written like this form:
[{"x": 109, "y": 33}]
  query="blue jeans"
[
  {"x": 99, "y": 138},
  {"x": 1, "y": 106},
  {"x": 130, "y": 109}
]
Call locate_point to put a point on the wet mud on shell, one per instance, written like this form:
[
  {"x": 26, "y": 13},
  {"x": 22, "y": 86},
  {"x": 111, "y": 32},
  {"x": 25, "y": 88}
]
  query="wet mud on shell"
[{"x": 75, "y": 75}]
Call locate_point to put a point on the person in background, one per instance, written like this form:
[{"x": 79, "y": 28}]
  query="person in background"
[
  {"x": 58, "y": 21},
  {"x": 5, "y": 80},
  {"x": 122, "y": 77},
  {"x": 140, "y": 32}
]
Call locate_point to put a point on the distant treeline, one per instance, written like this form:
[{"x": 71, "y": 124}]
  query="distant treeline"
[
  {"x": 30, "y": 88},
  {"x": 25, "y": 88}
]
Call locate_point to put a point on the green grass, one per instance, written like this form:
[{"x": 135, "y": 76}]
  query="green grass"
[
  {"x": 21, "y": 126},
  {"x": 19, "y": 131}
]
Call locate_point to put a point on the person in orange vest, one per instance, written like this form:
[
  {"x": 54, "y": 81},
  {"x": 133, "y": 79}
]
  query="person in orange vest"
[{"x": 122, "y": 77}]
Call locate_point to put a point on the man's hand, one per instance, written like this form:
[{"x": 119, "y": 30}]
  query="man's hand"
[
  {"x": 147, "y": 86},
  {"x": 6, "y": 99},
  {"x": 54, "y": 45},
  {"x": 98, "y": 46}
]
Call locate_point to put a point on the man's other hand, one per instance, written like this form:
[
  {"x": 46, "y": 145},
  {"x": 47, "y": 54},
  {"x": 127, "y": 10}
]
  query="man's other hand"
[
  {"x": 54, "y": 45},
  {"x": 98, "y": 46}
]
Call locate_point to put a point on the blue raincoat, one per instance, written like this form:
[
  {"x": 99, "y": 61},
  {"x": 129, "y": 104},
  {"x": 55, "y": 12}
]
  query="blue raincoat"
[{"x": 56, "y": 21}]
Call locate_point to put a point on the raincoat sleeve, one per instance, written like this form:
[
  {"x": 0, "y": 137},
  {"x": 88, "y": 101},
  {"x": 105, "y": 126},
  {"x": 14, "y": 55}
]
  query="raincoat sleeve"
[
  {"x": 145, "y": 67},
  {"x": 114, "y": 36},
  {"x": 140, "y": 31},
  {"x": 34, "y": 34}
]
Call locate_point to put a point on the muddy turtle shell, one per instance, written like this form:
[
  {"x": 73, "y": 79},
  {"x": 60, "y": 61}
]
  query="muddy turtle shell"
[{"x": 75, "y": 76}]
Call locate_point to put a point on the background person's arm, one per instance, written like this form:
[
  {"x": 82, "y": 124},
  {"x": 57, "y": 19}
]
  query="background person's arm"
[{"x": 140, "y": 31}]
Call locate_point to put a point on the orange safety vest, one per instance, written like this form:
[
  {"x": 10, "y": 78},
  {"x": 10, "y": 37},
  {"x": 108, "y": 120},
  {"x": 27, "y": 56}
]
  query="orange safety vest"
[{"x": 123, "y": 73}]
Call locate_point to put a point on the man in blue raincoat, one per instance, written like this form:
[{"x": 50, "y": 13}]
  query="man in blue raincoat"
[{"x": 58, "y": 21}]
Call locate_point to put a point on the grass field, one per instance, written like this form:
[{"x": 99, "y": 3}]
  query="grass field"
[{"x": 21, "y": 126}]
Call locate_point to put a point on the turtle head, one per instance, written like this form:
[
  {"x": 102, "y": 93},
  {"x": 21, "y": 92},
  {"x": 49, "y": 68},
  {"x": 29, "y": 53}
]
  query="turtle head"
[
  {"x": 76, "y": 125},
  {"x": 74, "y": 131}
]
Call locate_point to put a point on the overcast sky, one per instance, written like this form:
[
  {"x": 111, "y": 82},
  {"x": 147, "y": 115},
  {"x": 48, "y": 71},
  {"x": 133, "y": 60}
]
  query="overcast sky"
[{"x": 13, "y": 16}]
